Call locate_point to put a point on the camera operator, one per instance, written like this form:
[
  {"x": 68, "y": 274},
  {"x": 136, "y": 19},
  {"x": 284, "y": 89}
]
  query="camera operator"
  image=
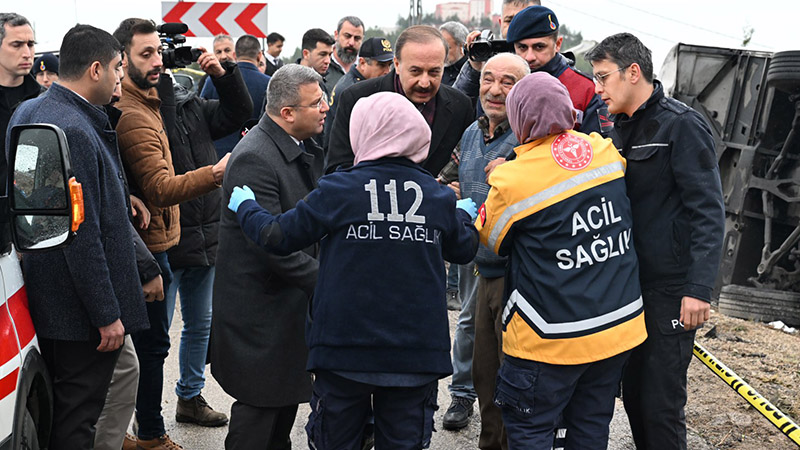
[
  {"x": 145, "y": 148},
  {"x": 468, "y": 80},
  {"x": 533, "y": 32}
]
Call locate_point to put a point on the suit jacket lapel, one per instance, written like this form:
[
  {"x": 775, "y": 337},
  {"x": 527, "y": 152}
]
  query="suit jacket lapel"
[{"x": 441, "y": 119}]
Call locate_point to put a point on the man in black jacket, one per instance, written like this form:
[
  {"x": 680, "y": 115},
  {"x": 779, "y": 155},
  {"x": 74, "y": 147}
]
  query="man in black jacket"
[
  {"x": 420, "y": 53},
  {"x": 678, "y": 223},
  {"x": 193, "y": 123},
  {"x": 16, "y": 82}
]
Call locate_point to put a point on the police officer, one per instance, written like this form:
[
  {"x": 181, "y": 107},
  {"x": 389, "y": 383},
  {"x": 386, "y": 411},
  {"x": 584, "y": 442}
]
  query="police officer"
[
  {"x": 534, "y": 34},
  {"x": 374, "y": 60},
  {"x": 45, "y": 69},
  {"x": 678, "y": 223}
]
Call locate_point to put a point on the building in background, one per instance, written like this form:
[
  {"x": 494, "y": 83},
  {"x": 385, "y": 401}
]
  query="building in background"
[{"x": 473, "y": 10}]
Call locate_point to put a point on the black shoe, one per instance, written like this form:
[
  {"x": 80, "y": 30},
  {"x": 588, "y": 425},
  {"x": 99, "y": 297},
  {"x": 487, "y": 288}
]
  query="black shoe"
[
  {"x": 458, "y": 414},
  {"x": 196, "y": 410},
  {"x": 453, "y": 304}
]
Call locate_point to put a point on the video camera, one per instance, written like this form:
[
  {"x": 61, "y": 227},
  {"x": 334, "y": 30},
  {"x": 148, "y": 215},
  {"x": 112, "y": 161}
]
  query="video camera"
[
  {"x": 485, "y": 46},
  {"x": 175, "y": 54}
]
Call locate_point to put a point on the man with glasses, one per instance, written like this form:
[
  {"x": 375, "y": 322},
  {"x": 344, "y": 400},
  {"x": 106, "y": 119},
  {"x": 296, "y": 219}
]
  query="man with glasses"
[
  {"x": 258, "y": 349},
  {"x": 674, "y": 187}
]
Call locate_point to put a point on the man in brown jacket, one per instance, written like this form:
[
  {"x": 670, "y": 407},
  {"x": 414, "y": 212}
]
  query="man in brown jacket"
[{"x": 146, "y": 155}]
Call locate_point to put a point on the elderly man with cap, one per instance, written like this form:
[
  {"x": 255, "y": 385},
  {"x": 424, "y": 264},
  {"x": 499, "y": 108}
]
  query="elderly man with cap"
[
  {"x": 573, "y": 308},
  {"x": 374, "y": 60},
  {"x": 45, "y": 69},
  {"x": 378, "y": 258}
]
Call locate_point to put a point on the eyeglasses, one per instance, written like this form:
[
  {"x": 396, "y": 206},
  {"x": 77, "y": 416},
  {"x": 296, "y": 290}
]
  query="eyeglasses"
[
  {"x": 601, "y": 79},
  {"x": 318, "y": 105}
]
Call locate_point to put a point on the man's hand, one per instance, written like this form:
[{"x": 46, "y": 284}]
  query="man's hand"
[
  {"x": 477, "y": 65},
  {"x": 210, "y": 64},
  {"x": 111, "y": 336},
  {"x": 219, "y": 168},
  {"x": 491, "y": 166},
  {"x": 694, "y": 312},
  {"x": 141, "y": 215},
  {"x": 456, "y": 187},
  {"x": 154, "y": 289}
]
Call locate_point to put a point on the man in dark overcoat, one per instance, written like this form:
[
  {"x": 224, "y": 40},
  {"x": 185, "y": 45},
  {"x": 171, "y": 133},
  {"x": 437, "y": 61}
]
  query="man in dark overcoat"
[{"x": 258, "y": 350}]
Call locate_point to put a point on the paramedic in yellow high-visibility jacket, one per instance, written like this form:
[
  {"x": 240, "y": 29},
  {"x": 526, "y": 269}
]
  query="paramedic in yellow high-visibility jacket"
[{"x": 573, "y": 304}]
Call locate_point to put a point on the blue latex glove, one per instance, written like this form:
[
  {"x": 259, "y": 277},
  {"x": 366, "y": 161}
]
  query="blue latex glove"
[
  {"x": 238, "y": 196},
  {"x": 467, "y": 205}
]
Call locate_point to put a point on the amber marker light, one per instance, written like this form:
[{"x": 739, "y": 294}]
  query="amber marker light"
[{"x": 76, "y": 194}]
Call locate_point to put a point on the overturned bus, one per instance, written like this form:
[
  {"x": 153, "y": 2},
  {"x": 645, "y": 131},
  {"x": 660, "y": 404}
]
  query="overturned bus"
[{"x": 751, "y": 99}]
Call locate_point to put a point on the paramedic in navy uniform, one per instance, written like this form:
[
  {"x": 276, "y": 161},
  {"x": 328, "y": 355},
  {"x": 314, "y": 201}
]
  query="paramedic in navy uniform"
[{"x": 377, "y": 331}]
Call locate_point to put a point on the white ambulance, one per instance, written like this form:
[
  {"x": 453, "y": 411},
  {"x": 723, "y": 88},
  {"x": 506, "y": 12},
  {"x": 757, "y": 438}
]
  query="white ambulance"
[{"x": 42, "y": 212}]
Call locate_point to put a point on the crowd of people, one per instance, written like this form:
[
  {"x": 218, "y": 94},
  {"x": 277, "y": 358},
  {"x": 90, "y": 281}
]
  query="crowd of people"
[{"x": 304, "y": 213}]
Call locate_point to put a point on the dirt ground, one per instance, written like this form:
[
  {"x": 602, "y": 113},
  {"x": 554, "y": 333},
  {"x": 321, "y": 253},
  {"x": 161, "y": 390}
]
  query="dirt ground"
[{"x": 768, "y": 360}]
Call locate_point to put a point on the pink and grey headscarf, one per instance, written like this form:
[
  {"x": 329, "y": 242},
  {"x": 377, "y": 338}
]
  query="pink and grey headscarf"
[
  {"x": 387, "y": 124},
  {"x": 539, "y": 106}
]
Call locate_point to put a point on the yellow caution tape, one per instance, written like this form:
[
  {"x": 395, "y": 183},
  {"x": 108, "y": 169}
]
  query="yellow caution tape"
[{"x": 783, "y": 422}]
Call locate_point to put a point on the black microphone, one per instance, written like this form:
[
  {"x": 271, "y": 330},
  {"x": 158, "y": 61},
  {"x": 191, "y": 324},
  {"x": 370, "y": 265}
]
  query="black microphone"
[{"x": 172, "y": 28}]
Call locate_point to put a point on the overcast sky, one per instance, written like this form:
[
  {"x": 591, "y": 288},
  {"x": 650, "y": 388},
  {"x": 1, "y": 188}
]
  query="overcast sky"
[{"x": 660, "y": 25}]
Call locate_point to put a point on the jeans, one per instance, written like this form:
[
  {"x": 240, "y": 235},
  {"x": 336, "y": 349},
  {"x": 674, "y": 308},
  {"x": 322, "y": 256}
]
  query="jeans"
[
  {"x": 535, "y": 396},
  {"x": 452, "y": 277},
  {"x": 152, "y": 347},
  {"x": 464, "y": 341},
  {"x": 195, "y": 285}
]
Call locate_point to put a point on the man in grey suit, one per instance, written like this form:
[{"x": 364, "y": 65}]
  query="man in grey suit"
[{"x": 258, "y": 350}]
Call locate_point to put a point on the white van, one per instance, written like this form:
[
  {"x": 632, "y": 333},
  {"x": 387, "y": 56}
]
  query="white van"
[{"x": 42, "y": 212}]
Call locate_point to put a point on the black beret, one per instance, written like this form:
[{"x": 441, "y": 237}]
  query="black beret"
[
  {"x": 47, "y": 61},
  {"x": 532, "y": 22}
]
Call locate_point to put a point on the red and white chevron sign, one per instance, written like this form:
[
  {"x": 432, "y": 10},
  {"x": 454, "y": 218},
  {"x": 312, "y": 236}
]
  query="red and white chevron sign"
[{"x": 206, "y": 19}]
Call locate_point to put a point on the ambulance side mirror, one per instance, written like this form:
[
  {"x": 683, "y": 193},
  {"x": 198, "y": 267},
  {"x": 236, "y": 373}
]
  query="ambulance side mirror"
[{"x": 45, "y": 201}]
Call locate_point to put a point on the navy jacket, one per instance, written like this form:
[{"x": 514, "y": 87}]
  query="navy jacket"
[
  {"x": 379, "y": 301},
  {"x": 257, "y": 87},
  {"x": 94, "y": 281},
  {"x": 676, "y": 195}
]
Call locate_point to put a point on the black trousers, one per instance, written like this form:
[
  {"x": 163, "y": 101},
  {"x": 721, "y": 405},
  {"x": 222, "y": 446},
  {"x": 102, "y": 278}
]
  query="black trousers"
[
  {"x": 253, "y": 427},
  {"x": 81, "y": 376},
  {"x": 654, "y": 381},
  {"x": 340, "y": 410}
]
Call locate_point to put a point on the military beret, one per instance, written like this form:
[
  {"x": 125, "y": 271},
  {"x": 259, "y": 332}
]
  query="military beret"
[
  {"x": 532, "y": 22},
  {"x": 47, "y": 61}
]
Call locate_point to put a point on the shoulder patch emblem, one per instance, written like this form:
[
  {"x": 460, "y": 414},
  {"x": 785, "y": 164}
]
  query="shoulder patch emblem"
[
  {"x": 572, "y": 152},
  {"x": 482, "y": 214}
]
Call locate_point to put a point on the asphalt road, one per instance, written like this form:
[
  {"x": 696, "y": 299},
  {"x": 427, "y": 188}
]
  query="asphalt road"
[{"x": 193, "y": 437}]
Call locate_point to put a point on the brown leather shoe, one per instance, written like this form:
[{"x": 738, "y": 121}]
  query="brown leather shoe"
[
  {"x": 196, "y": 410},
  {"x": 160, "y": 443},
  {"x": 129, "y": 443}
]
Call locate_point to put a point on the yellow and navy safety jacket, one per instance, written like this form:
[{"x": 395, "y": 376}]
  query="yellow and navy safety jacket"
[{"x": 561, "y": 212}]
